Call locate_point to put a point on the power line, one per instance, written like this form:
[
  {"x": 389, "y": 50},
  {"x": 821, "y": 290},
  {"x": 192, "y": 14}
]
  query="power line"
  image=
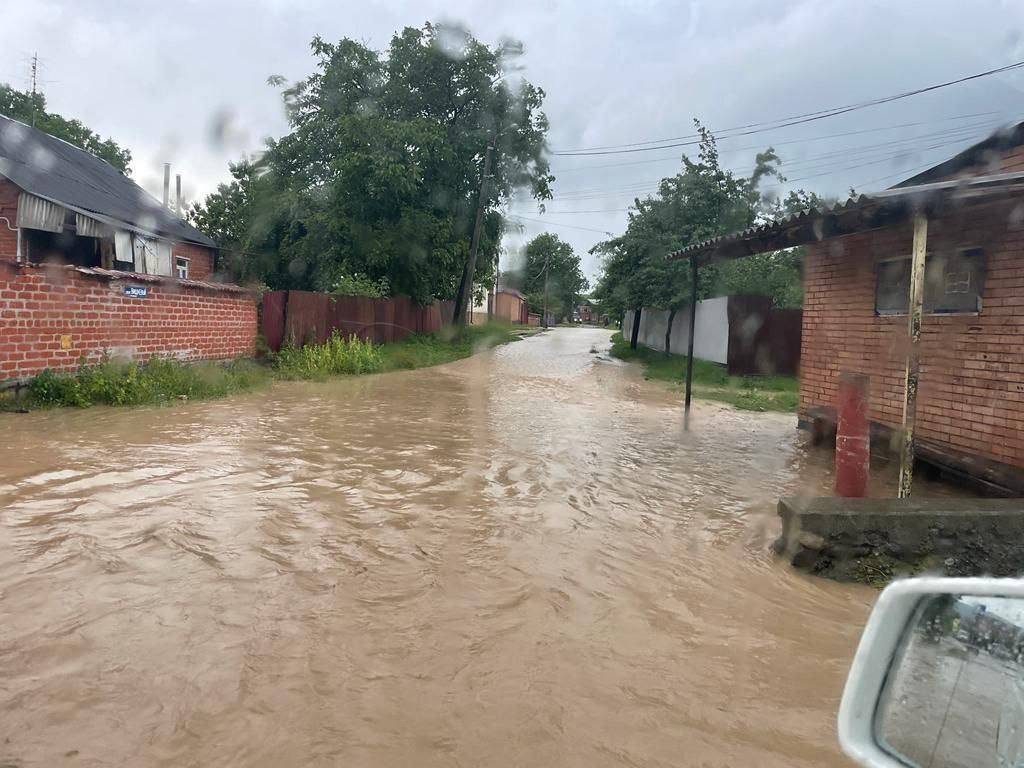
[
  {"x": 558, "y": 224},
  {"x": 771, "y": 125},
  {"x": 674, "y": 157},
  {"x": 833, "y": 162},
  {"x": 846, "y": 167}
]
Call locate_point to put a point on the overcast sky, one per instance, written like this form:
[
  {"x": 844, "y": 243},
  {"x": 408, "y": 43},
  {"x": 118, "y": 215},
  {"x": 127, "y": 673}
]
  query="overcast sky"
[{"x": 159, "y": 76}]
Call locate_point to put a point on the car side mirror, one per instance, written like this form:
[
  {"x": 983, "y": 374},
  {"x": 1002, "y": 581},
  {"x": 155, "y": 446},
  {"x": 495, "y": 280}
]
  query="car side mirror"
[{"x": 938, "y": 679}]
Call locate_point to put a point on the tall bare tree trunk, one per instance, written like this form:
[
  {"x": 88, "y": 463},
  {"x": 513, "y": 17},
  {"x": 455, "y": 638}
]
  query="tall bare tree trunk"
[
  {"x": 635, "y": 334},
  {"x": 668, "y": 331}
]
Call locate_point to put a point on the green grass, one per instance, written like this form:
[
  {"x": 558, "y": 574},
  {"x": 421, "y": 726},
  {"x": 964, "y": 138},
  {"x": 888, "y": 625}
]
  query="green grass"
[
  {"x": 446, "y": 346},
  {"x": 712, "y": 382},
  {"x": 161, "y": 381},
  {"x": 153, "y": 382}
]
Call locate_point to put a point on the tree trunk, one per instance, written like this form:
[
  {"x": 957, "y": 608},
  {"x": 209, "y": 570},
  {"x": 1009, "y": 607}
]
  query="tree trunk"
[
  {"x": 635, "y": 334},
  {"x": 668, "y": 332}
]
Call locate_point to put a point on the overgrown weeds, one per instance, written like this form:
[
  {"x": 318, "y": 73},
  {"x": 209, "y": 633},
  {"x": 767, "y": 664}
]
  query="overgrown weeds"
[
  {"x": 153, "y": 382},
  {"x": 339, "y": 355},
  {"x": 712, "y": 381}
]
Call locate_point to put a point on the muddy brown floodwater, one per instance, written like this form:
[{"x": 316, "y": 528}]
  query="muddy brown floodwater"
[{"x": 519, "y": 559}]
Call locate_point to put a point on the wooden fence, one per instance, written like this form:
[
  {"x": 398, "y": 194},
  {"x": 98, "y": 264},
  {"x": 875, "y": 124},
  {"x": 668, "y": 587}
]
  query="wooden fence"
[{"x": 305, "y": 317}]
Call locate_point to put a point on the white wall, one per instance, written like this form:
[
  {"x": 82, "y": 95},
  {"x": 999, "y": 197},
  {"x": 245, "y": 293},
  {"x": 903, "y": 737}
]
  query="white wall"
[{"x": 711, "y": 339}]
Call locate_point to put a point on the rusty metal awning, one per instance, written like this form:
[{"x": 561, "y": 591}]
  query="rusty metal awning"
[{"x": 859, "y": 214}]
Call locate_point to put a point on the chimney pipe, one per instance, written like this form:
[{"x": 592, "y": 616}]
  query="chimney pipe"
[
  {"x": 177, "y": 195},
  {"x": 167, "y": 184}
]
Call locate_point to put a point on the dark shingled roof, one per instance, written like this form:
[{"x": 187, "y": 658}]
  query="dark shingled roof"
[{"x": 47, "y": 167}]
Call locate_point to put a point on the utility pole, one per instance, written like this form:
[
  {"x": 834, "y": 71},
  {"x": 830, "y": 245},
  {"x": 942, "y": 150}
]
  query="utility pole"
[{"x": 466, "y": 286}]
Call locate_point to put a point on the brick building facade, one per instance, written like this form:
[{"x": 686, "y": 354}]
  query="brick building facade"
[
  {"x": 91, "y": 267},
  {"x": 970, "y": 403},
  {"x": 971, "y": 395}
]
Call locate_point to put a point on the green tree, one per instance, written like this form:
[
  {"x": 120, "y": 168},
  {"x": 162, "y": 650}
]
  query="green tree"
[
  {"x": 700, "y": 202},
  {"x": 30, "y": 108},
  {"x": 551, "y": 262},
  {"x": 379, "y": 175}
]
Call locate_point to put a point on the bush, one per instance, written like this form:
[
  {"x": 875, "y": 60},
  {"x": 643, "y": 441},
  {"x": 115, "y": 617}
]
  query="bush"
[{"x": 338, "y": 355}]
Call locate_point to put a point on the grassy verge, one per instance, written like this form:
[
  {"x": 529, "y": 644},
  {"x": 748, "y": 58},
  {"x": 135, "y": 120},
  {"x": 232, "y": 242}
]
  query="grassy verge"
[
  {"x": 163, "y": 381},
  {"x": 156, "y": 381},
  {"x": 712, "y": 381},
  {"x": 446, "y": 346}
]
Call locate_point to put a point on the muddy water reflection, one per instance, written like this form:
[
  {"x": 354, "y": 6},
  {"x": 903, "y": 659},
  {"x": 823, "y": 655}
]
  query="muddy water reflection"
[{"x": 519, "y": 559}]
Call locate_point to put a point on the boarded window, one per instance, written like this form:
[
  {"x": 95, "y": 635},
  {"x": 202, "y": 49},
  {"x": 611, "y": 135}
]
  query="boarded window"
[{"x": 953, "y": 282}]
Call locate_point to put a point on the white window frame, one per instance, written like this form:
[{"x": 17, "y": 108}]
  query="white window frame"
[{"x": 188, "y": 266}]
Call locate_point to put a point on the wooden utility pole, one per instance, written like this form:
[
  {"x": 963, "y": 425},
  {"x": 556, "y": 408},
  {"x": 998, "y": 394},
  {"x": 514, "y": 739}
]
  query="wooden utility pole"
[
  {"x": 466, "y": 286},
  {"x": 689, "y": 342},
  {"x": 915, "y": 311}
]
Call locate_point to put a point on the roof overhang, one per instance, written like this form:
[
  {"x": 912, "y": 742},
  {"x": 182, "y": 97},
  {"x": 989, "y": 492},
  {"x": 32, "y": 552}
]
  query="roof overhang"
[{"x": 862, "y": 214}]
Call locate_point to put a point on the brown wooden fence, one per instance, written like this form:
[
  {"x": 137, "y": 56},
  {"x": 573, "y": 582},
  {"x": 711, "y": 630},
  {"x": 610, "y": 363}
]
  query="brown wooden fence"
[{"x": 304, "y": 317}]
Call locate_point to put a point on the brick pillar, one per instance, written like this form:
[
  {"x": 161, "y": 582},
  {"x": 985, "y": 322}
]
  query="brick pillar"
[{"x": 853, "y": 450}]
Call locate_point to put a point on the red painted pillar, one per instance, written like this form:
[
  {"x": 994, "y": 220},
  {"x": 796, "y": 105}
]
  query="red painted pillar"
[{"x": 853, "y": 450}]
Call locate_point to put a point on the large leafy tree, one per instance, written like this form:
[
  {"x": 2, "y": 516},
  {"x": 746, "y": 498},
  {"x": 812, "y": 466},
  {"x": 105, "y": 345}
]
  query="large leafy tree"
[
  {"x": 551, "y": 262},
  {"x": 380, "y": 173},
  {"x": 30, "y": 108},
  {"x": 702, "y": 201}
]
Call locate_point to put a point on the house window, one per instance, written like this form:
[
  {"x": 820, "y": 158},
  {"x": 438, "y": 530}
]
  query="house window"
[
  {"x": 953, "y": 283},
  {"x": 181, "y": 267}
]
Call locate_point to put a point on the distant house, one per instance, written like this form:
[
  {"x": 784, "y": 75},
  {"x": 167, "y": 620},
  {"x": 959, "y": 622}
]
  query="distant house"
[
  {"x": 92, "y": 266},
  {"x": 857, "y": 274},
  {"x": 509, "y": 305}
]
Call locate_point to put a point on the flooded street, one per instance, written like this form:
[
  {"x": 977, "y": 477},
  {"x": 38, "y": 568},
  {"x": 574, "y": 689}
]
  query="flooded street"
[{"x": 519, "y": 559}]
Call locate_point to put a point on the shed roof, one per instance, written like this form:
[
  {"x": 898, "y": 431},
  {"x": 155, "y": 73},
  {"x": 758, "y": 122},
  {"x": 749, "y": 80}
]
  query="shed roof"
[
  {"x": 859, "y": 214},
  {"x": 57, "y": 171}
]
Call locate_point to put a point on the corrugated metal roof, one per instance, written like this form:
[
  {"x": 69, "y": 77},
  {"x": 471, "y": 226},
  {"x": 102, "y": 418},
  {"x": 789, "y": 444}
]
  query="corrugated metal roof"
[
  {"x": 889, "y": 201},
  {"x": 62, "y": 173}
]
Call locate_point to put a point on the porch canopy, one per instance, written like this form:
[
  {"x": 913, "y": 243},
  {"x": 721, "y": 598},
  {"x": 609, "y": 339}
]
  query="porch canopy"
[{"x": 880, "y": 209}]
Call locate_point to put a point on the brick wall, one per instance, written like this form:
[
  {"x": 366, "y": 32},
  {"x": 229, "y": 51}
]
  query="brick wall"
[
  {"x": 971, "y": 395},
  {"x": 200, "y": 260},
  {"x": 51, "y": 317}
]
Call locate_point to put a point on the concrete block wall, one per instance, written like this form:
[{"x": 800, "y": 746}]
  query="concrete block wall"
[
  {"x": 55, "y": 316},
  {"x": 971, "y": 395}
]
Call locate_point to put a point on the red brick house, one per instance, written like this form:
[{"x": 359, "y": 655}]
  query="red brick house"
[
  {"x": 970, "y": 399},
  {"x": 92, "y": 266}
]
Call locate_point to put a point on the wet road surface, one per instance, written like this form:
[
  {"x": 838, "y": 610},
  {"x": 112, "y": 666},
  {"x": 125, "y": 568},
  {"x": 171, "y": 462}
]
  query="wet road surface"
[{"x": 519, "y": 559}]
